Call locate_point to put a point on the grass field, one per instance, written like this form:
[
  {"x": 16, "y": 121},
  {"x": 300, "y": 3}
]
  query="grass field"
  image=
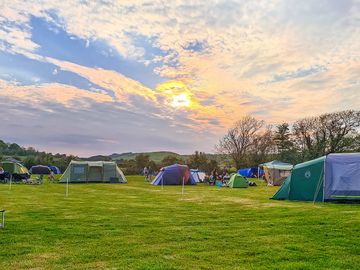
[{"x": 139, "y": 226}]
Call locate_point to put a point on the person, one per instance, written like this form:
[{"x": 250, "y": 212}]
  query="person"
[
  {"x": 214, "y": 176},
  {"x": 51, "y": 177},
  {"x": 146, "y": 174}
]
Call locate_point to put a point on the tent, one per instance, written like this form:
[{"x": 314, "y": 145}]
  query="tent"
[
  {"x": 275, "y": 172},
  {"x": 329, "y": 178},
  {"x": 198, "y": 175},
  {"x": 237, "y": 181},
  {"x": 251, "y": 172},
  {"x": 55, "y": 169},
  {"x": 40, "y": 169},
  {"x": 174, "y": 175},
  {"x": 15, "y": 169},
  {"x": 93, "y": 172}
]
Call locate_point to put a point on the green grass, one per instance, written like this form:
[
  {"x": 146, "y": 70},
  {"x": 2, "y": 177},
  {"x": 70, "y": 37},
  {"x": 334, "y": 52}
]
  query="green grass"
[{"x": 139, "y": 226}]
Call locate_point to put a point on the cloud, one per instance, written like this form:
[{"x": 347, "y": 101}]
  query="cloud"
[{"x": 279, "y": 60}]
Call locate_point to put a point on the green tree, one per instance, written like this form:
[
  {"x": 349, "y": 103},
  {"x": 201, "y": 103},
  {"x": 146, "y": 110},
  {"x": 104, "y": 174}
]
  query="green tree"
[
  {"x": 142, "y": 160},
  {"x": 171, "y": 159}
]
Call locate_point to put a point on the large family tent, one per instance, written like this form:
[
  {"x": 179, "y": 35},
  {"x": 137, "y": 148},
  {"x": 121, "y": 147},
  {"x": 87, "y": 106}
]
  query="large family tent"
[
  {"x": 93, "y": 172},
  {"x": 199, "y": 176},
  {"x": 275, "y": 172},
  {"x": 39, "y": 169},
  {"x": 15, "y": 169},
  {"x": 174, "y": 175},
  {"x": 55, "y": 169},
  {"x": 251, "y": 172},
  {"x": 329, "y": 178},
  {"x": 238, "y": 181}
]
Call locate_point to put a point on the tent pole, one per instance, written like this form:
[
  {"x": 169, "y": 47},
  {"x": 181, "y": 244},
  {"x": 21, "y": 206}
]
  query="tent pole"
[
  {"x": 67, "y": 187},
  {"x": 10, "y": 182},
  {"x": 182, "y": 190},
  {"x": 162, "y": 183}
]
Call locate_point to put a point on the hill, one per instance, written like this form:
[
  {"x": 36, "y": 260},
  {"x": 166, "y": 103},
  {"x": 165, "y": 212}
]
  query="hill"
[{"x": 157, "y": 156}]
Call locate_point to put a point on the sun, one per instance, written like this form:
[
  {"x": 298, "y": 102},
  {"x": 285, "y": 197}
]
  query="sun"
[
  {"x": 181, "y": 100},
  {"x": 176, "y": 93}
]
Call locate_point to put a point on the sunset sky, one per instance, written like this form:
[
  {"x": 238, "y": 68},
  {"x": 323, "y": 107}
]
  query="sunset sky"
[{"x": 98, "y": 77}]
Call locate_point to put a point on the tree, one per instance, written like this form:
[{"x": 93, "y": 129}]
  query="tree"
[
  {"x": 169, "y": 160},
  {"x": 142, "y": 160},
  {"x": 283, "y": 141},
  {"x": 240, "y": 138},
  {"x": 327, "y": 133},
  {"x": 261, "y": 148},
  {"x": 198, "y": 160}
]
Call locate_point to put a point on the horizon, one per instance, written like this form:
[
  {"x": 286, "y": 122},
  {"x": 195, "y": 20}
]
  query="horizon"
[{"x": 93, "y": 78}]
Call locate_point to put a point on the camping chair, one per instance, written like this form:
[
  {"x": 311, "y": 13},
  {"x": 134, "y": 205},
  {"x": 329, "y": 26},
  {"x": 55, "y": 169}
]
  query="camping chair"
[{"x": 34, "y": 181}]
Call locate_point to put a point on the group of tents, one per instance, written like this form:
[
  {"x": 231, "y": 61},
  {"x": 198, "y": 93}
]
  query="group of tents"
[
  {"x": 332, "y": 177},
  {"x": 14, "y": 169}
]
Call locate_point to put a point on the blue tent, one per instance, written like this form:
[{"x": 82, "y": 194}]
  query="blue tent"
[
  {"x": 250, "y": 172},
  {"x": 174, "y": 175},
  {"x": 55, "y": 169},
  {"x": 198, "y": 175}
]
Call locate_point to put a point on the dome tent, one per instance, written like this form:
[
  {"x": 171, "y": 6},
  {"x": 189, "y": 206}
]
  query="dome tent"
[
  {"x": 237, "y": 181},
  {"x": 15, "y": 169},
  {"x": 174, "y": 175},
  {"x": 40, "y": 169},
  {"x": 55, "y": 169},
  {"x": 93, "y": 172},
  {"x": 329, "y": 178},
  {"x": 198, "y": 175},
  {"x": 251, "y": 172}
]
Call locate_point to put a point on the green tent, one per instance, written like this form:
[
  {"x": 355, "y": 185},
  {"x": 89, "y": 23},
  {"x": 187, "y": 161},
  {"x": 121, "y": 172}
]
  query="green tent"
[
  {"x": 93, "y": 172},
  {"x": 17, "y": 170},
  {"x": 305, "y": 182},
  {"x": 237, "y": 181}
]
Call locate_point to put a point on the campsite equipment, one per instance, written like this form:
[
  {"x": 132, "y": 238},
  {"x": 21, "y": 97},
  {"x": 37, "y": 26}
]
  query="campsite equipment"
[
  {"x": 198, "y": 175},
  {"x": 15, "y": 170},
  {"x": 93, "y": 172},
  {"x": 174, "y": 175},
  {"x": 275, "y": 172},
  {"x": 55, "y": 169},
  {"x": 329, "y": 178},
  {"x": 40, "y": 169},
  {"x": 237, "y": 181}
]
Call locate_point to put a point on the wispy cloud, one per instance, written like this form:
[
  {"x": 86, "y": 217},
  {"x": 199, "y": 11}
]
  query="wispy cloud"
[{"x": 278, "y": 60}]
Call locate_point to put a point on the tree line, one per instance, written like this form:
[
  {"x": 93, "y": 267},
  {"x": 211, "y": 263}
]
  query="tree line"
[
  {"x": 30, "y": 157},
  {"x": 250, "y": 142},
  {"x": 198, "y": 160}
]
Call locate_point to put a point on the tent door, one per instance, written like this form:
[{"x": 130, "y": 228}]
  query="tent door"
[{"x": 95, "y": 174}]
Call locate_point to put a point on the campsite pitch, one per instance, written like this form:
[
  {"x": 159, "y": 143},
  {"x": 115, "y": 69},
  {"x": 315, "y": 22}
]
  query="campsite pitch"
[{"x": 140, "y": 226}]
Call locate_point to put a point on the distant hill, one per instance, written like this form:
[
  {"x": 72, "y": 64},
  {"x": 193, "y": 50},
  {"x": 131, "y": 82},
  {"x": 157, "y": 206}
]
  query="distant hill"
[
  {"x": 154, "y": 156},
  {"x": 98, "y": 158}
]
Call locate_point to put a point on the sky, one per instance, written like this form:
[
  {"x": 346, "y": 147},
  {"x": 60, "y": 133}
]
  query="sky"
[{"x": 100, "y": 77}]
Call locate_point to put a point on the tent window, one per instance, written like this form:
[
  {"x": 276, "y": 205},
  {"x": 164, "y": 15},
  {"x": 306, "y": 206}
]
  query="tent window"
[{"x": 79, "y": 170}]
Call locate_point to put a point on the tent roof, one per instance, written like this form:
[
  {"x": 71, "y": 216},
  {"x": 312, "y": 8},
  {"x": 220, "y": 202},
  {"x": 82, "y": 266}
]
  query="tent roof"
[
  {"x": 275, "y": 164},
  {"x": 92, "y": 163},
  {"x": 310, "y": 162}
]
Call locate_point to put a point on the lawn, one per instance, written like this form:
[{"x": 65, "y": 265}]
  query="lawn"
[{"x": 139, "y": 226}]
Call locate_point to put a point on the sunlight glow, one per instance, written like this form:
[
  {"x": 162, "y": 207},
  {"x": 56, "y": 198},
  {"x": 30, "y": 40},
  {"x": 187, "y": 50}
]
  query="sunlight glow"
[{"x": 181, "y": 100}]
